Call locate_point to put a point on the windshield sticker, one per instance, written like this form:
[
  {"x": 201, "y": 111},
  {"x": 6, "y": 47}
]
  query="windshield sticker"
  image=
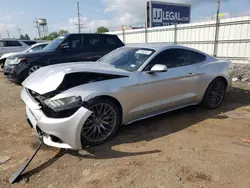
[
  {"x": 132, "y": 65},
  {"x": 61, "y": 37},
  {"x": 145, "y": 52}
]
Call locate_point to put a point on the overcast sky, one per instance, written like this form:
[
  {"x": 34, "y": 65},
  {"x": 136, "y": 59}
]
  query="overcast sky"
[{"x": 61, "y": 14}]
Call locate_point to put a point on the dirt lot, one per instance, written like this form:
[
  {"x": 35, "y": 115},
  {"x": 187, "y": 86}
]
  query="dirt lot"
[{"x": 191, "y": 147}]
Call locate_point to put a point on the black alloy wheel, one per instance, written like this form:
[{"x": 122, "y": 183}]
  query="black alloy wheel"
[
  {"x": 215, "y": 94},
  {"x": 102, "y": 124}
]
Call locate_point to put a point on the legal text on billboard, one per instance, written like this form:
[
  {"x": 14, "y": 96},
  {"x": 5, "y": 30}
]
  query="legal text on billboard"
[{"x": 160, "y": 16}]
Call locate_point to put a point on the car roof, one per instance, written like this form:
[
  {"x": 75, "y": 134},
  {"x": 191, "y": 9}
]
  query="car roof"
[
  {"x": 154, "y": 46},
  {"x": 13, "y": 39},
  {"x": 90, "y": 34},
  {"x": 40, "y": 43},
  {"x": 162, "y": 46}
]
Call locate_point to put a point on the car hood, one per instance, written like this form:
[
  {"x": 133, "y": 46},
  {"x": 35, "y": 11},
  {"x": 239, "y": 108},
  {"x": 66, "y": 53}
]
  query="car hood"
[
  {"x": 48, "y": 79},
  {"x": 30, "y": 54},
  {"x": 9, "y": 54}
]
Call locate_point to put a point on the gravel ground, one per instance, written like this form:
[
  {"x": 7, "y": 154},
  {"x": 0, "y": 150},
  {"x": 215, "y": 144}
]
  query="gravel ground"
[
  {"x": 191, "y": 147},
  {"x": 242, "y": 73}
]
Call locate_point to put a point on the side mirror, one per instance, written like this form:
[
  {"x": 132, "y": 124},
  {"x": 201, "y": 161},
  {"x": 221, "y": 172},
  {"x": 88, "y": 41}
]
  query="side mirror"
[
  {"x": 158, "y": 68},
  {"x": 64, "y": 46}
]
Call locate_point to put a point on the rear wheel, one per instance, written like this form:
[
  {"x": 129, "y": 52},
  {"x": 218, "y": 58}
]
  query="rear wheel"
[
  {"x": 215, "y": 94},
  {"x": 102, "y": 124}
]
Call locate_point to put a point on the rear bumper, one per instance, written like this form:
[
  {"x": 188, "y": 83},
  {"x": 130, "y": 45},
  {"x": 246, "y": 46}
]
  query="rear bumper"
[{"x": 56, "y": 132}]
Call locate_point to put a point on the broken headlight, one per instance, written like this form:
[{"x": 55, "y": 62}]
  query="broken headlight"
[{"x": 63, "y": 104}]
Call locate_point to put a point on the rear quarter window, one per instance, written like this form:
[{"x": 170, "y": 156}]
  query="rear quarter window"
[
  {"x": 113, "y": 41},
  {"x": 197, "y": 57}
]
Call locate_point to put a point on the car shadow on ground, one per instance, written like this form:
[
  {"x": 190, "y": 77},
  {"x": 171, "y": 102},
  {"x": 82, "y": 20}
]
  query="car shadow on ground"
[
  {"x": 165, "y": 124},
  {"x": 154, "y": 128}
]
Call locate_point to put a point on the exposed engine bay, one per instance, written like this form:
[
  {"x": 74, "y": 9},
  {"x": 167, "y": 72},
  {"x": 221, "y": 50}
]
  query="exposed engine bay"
[{"x": 51, "y": 108}]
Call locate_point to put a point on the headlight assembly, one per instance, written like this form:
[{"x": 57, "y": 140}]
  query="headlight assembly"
[
  {"x": 64, "y": 103},
  {"x": 15, "y": 61}
]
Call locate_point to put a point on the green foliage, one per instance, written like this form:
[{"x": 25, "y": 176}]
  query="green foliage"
[
  {"x": 54, "y": 35},
  {"x": 63, "y": 32},
  {"x": 21, "y": 37},
  {"x": 102, "y": 30},
  {"x": 26, "y": 37}
]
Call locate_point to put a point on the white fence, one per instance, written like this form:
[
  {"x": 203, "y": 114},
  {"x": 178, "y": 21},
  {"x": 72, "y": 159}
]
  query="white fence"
[{"x": 233, "y": 39}]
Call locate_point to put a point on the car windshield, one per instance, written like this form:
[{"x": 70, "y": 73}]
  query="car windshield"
[
  {"x": 55, "y": 43},
  {"x": 127, "y": 58}
]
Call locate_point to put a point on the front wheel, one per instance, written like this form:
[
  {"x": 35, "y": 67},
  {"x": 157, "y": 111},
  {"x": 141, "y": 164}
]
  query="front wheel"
[
  {"x": 34, "y": 68},
  {"x": 102, "y": 124},
  {"x": 214, "y": 94}
]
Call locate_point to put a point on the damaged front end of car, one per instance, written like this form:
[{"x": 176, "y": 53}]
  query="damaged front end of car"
[
  {"x": 67, "y": 106},
  {"x": 56, "y": 108}
]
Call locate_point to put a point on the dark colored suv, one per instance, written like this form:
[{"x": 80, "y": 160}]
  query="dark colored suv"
[{"x": 68, "y": 48}]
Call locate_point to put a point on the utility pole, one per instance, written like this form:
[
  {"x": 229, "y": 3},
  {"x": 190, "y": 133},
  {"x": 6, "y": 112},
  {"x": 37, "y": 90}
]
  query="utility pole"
[
  {"x": 217, "y": 29},
  {"x": 8, "y": 33},
  {"x": 37, "y": 27},
  {"x": 19, "y": 31},
  {"x": 79, "y": 25}
]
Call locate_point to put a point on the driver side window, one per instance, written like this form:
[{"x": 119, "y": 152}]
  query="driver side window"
[
  {"x": 171, "y": 58},
  {"x": 74, "y": 42}
]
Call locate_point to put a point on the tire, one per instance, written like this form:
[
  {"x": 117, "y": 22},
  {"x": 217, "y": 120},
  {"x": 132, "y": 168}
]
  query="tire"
[
  {"x": 2, "y": 62},
  {"x": 214, "y": 94},
  {"x": 34, "y": 68},
  {"x": 90, "y": 133}
]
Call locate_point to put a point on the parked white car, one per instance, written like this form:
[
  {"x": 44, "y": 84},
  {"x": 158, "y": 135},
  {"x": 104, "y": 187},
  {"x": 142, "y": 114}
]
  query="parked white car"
[
  {"x": 34, "y": 47},
  {"x": 12, "y": 45}
]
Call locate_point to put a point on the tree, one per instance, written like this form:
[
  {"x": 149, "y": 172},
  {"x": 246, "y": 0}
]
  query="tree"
[
  {"x": 51, "y": 36},
  {"x": 54, "y": 35},
  {"x": 102, "y": 29},
  {"x": 63, "y": 32},
  {"x": 21, "y": 37},
  {"x": 26, "y": 37}
]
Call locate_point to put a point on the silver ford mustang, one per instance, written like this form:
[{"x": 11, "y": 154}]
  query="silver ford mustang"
[{"x": 77, "y": 104}]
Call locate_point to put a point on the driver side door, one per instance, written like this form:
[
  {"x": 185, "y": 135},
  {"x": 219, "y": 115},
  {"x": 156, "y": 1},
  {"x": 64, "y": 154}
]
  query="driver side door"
[
  {"x": 70, "y": 53},
  {"x": 161, "y": 91}
]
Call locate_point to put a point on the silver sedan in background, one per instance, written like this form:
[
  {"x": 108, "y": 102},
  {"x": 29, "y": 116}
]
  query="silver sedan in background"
[{"x": 77, "y": 104}]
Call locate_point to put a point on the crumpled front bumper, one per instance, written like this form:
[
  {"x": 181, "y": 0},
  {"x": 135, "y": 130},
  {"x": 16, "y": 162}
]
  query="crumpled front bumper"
[
  {"x": 67, "y": 130},
  {"x": 15, "y": 73}
]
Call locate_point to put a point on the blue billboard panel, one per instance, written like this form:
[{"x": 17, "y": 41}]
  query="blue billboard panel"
[{"x": 163, "y": 14}]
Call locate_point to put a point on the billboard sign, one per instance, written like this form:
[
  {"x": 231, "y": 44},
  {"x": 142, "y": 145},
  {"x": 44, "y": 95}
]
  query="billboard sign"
[{"x": 164, "y": 14}]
